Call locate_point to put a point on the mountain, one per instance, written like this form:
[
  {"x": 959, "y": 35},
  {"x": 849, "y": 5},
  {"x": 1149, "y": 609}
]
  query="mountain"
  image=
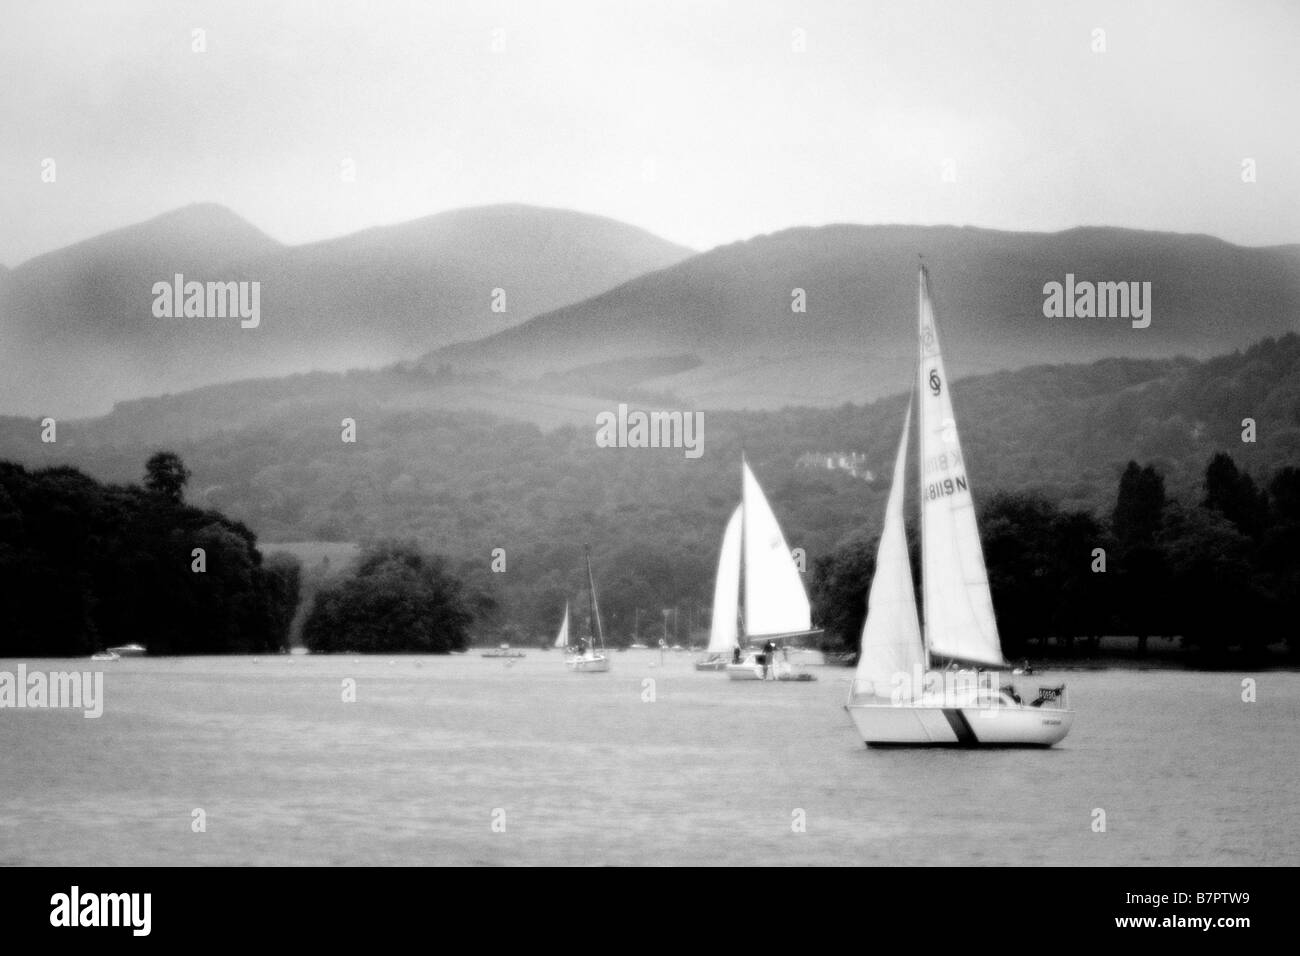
[
  {"x": 80, "y": 333},
  {"x": 726, "y": 318}
]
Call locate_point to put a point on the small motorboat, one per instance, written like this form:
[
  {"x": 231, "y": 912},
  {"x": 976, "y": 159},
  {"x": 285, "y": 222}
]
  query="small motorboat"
[
  {"x": 128, "y": 650},
  {"x": 105, "y": 656}
]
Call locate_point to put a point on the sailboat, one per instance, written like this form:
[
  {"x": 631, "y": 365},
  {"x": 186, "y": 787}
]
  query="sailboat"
[
  {"x": 562, "y": 638},
  {"x": 756, "y": 559},
  {"x": 586, "y": 658},
  {"x": 724, "y": 629},
  {"x": 896, "y": 698}
]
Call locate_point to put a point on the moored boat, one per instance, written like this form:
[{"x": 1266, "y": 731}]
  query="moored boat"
[{"x": 586, "y": 659}]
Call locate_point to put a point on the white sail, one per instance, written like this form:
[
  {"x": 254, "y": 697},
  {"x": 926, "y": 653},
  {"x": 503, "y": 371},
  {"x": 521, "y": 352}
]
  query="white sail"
[
  {"x": 891, "y": 635},
  {"x": 959, "y": 621},
  {"x": 775, "y": 601},
  {"x": 726, "y": 589},
  {"x": 562, "y": 639}
]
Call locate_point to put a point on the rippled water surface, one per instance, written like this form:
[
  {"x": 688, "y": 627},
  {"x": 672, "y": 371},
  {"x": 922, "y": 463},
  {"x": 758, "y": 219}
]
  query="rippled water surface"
[{"x": 651, "y": 763}]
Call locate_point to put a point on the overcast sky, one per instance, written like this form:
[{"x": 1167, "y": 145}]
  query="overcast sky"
[{"x": 699, "y": 121}]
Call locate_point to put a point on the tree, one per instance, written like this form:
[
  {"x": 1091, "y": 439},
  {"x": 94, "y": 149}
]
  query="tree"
[
  {"x": 1141, "y": 573},
  {"x": 1021, "y": 556},
  {"x": 1213, "y": 600},
  {"x": 1139, "y": 507},
  {"x": 1278, "y": 559},
  {"x": 399, "y": 599},
  {"x": 841, "y": 582},
  {"x": 85, "y": 565},
  {"x": 1232, "y": 493},
  {"x": 166, "y": 475}
]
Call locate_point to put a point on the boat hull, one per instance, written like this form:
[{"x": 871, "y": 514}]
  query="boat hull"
[
  {"x": 588, "y": 665},
  {"x": 925, "y": 725},
  {"x": 711, "y": 665},
  {"x": 745, "y": 671}
]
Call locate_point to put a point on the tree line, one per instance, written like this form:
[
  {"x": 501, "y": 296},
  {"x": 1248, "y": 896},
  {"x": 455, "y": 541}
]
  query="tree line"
[
  {"x": 85, "y": 566},
  {"x": 1221, "y": 575}
]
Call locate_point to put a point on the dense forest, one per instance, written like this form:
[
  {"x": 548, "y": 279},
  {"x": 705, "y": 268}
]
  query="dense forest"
[
  {"x": 511, "y": 504},
  {"x": 1222, "y": 575},
  {"x": 84, "y": 566}
]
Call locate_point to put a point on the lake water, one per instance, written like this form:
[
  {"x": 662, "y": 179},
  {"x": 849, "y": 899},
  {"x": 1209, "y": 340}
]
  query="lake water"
[{"x": 582, "y": 770}]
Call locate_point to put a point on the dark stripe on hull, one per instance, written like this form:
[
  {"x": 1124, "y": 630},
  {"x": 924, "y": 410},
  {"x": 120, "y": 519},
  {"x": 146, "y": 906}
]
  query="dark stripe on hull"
[
  {"x": 961, "y": 727},
  {"x": 897, "y": 744}
]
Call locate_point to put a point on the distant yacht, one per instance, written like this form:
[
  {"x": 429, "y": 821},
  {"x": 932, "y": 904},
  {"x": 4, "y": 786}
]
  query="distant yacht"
[
  {"x": 129, "y": 650},
  {"x": 755, "y": 560},
  {"x": 586, "y": 657},
  {"x": 895, "y": 698},
  {"x": 105, "y": 656}
]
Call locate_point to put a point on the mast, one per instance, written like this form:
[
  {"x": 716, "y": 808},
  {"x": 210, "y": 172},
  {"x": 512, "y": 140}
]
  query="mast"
[{"x": 591, "y": 581}]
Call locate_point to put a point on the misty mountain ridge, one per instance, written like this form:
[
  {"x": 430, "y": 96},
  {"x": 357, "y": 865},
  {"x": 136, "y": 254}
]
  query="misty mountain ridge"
[
  {"x": 81, "y": 333},
  {"x": 731, "y": 308},
  {"x": 587, "y": 298}
]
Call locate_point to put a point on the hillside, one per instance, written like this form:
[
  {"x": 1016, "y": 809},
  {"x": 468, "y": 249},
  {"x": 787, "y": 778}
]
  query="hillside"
[
  {"x": 465, "y": 483},
  {"x": 729, "y": 310},
  {"x": 80, "y": 334}
]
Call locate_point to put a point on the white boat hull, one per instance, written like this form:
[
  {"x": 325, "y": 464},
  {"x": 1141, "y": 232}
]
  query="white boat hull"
[
  {"x": 588, "y": 665},
  {"x": 927, "y": 725},
  {"x": 745, "y": 671}
]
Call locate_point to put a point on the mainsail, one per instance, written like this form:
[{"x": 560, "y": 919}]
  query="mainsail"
[
  {"x": 891, "y": 635},
  {"x": 959, "y": 621},
  {"x": 726, "y": 589},
  {"x": 562, "y": 639},
  {"x": 775, "y": 602}
]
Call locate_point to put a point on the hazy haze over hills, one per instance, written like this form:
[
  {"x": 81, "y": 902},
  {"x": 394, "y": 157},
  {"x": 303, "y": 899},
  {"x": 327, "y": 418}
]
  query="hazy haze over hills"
[
  {"x": 590, "y": 300},
  {"x": 730, "y": 309},
  {"x": 80, "y": 334}
]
